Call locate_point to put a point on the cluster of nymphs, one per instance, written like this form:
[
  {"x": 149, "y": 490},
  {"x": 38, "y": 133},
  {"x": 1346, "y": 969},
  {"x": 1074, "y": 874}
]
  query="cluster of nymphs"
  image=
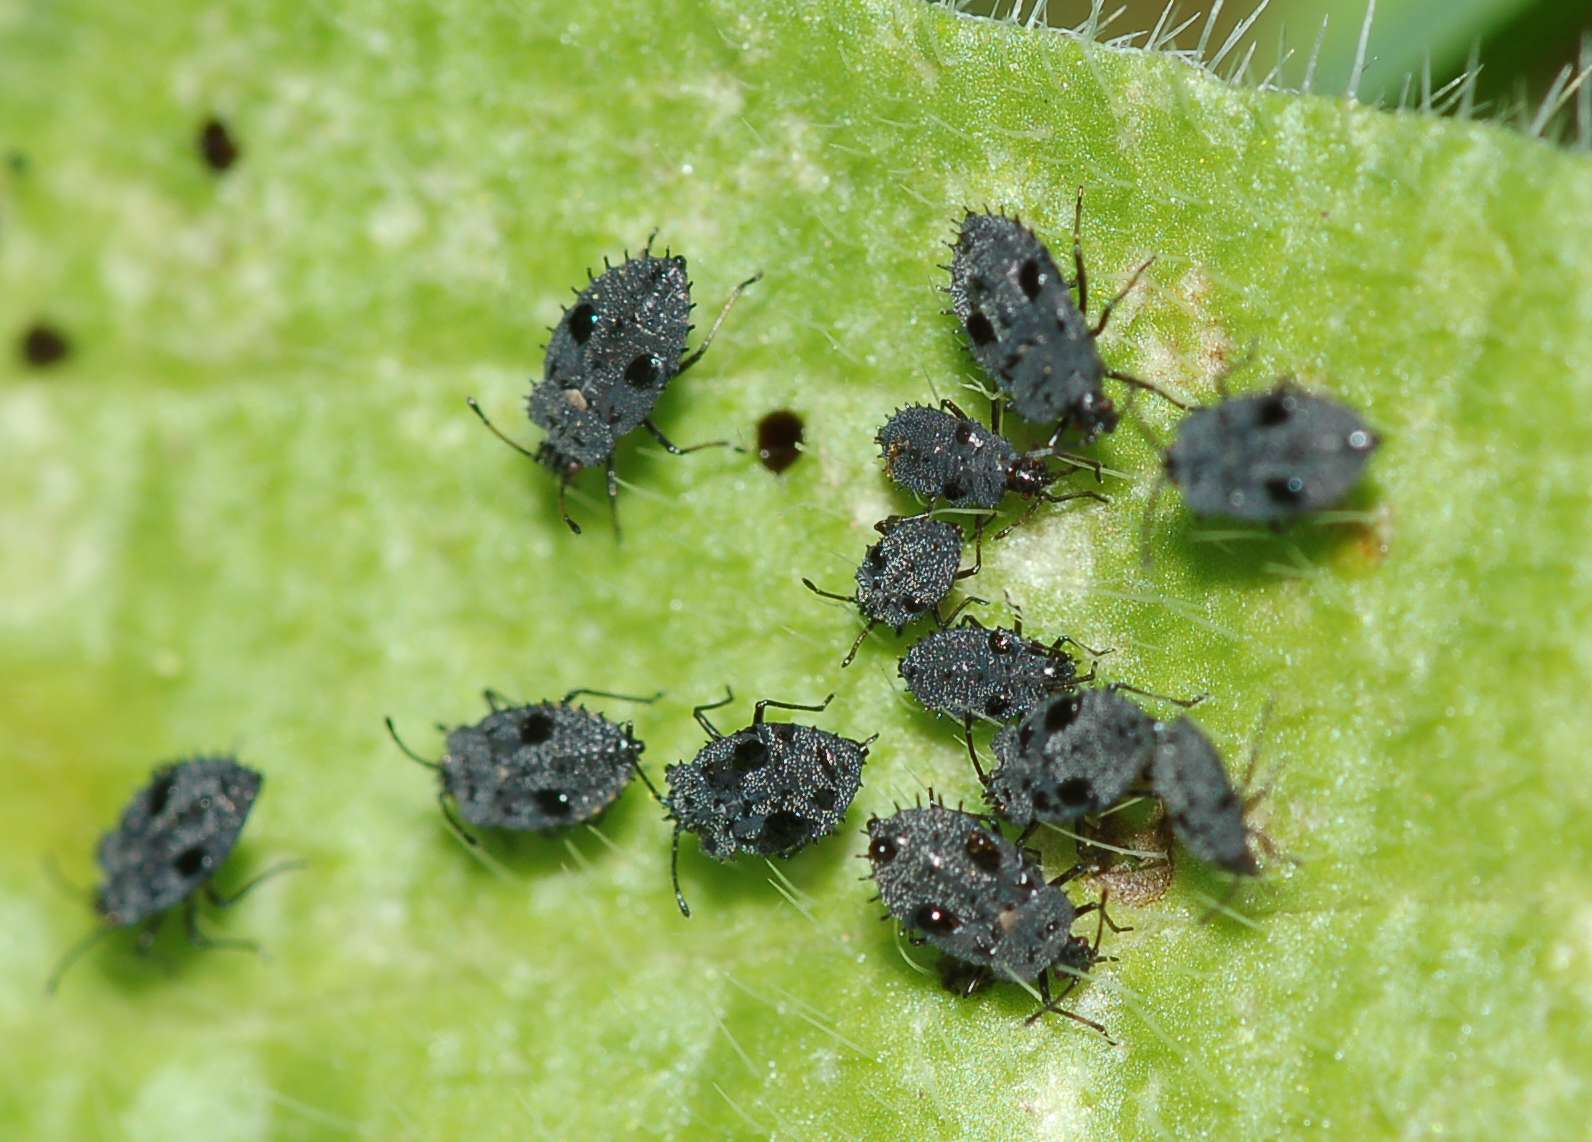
[
  {"x": 1067, "y": 754},
  {"x": 770, "y": 788}
]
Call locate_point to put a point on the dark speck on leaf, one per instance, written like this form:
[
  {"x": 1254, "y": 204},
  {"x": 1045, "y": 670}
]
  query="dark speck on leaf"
[
  {"x": 44, "y": 345},
  {"x": 217, "y": 146},
  {"x": 779, "y": 438}
]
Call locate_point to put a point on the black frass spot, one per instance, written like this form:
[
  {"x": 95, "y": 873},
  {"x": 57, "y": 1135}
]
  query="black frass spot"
[
  {"x": 779, "y": 439},
  {"x": 42, "y": 345},
  {"x": 217, "y": 146}
]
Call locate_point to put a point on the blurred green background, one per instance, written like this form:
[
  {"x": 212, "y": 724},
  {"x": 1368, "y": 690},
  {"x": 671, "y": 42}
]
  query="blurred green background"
[{"x": 1523, "y": 45}]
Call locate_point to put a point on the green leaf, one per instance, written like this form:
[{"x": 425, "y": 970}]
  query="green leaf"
[{"x": 251, "y": 511}]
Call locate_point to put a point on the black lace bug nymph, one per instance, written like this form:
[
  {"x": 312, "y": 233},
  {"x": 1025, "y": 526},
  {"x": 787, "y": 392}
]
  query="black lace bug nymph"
[
  {"x": 1269, "y": 457},
  {"x": 996, "y": 673},
  {"x": 172, "y": 838},
  {"x": 907, "y": 574},
  {"x": 942, "y": 455},
  {"x": 973, "y": 672},
  {"x": 1024, "y": 329},
  {"x": 772, "y": 788},
  {"x": 610, "y": 358},
  {"x": 1073, "y": 755},
  {"x": 953, "y": 881},
  {"x": 1206, "y": 811},
  {"x": 535, "y": 767}
]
